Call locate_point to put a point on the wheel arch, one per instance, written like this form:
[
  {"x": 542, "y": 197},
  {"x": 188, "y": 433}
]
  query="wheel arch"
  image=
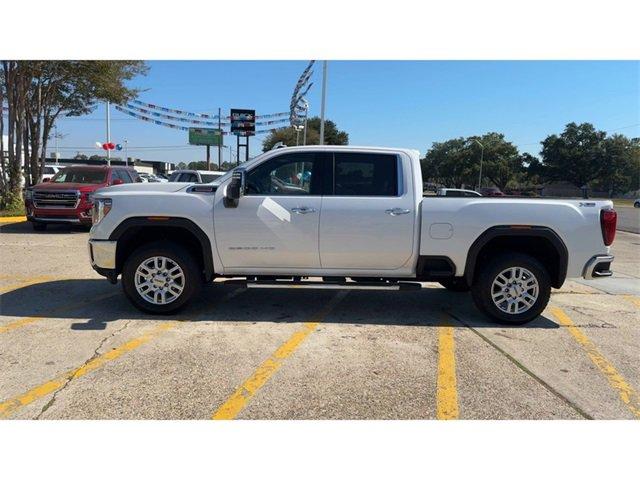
[
  {"x": 137, "y": 231},
  {"x": 540, "y": 242}
]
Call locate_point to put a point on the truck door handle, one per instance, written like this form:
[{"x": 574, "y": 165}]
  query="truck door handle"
[
  {"x": 303, "y": 210},
  {"x": 397, "y": 211}
]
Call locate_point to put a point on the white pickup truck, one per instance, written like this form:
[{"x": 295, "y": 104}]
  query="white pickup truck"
[{"x": 344, "y": 217}]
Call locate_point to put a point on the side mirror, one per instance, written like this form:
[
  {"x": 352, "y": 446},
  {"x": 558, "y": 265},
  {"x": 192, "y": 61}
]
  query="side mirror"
[
  {"x": 46, "y": 179},
  {"x": 235, "y": 188},
  {"x": 117, "y": 181}
]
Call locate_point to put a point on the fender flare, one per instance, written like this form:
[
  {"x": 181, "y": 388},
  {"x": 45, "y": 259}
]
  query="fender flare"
[
  {"x": 175, "y": 222},
  {"x": 518, "y": 231}
]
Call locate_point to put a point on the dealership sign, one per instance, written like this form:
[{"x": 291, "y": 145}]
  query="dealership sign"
[
  {"x": 205, "y": 136},
  {"x": 243, "y": 122}
]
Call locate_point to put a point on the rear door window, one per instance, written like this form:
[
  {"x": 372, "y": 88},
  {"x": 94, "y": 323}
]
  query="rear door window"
[{"x": 365, "y": 174}]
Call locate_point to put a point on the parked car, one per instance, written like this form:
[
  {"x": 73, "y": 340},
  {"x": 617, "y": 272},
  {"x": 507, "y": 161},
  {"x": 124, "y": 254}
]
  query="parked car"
[
  {"x": 491, "y": 192},
  {"x": 49, "y": 171},
  {"x": 151, "y": 178},
  {"x": 457, "y": 192},
  {"x": 361, "y": 221},
  {"x": 195, "y": 176},
  {"x": 67, "y": 197}
]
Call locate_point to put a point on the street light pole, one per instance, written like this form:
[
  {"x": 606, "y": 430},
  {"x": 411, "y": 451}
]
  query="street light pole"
[
  {"x": 481, "y": 158},
  {"x": 126, "y": 157},
  {"x": 324, "y": 98},
  {"x": 108, "y": 132}
]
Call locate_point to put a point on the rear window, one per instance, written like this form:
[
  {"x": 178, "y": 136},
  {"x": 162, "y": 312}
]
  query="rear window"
[
  {"x": 366, "y": 175},
  {"x": 207, "y": 178},
  {"x": 79, "y": 175}
]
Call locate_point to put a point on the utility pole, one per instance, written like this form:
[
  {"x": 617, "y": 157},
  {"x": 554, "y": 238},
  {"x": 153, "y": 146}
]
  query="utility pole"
[
  {"x": 220, "y": 142},
  {"x": 208, "y": 158},
  {"x": 324, "y": 98},
  {"x": 108, "y": 132},
  {"x": 126, "y": 157}
]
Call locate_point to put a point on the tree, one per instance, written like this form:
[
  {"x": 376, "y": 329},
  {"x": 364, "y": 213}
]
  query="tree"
[
  {"x": 456, "y": 162},
  {"x": 621, "y": 171},
  {"x": 502, "y": 163},
  {"x": 181, "y": 166},
  {"x": 38, "y": 92},
  {"x": 577, "y": 155},
  {"x": 287, "y": 135},
  {"x": 449, "y": 163},
  {"x": 80, "y": 156}
]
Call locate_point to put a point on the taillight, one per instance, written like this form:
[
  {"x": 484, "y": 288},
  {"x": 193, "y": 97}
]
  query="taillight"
[{"x": 608, "y": 221}]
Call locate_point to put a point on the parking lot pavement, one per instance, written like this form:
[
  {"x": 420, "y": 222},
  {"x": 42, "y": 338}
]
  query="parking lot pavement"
[{"x": 71, "y": 346}]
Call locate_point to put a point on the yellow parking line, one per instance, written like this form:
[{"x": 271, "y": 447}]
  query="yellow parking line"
[
  {"x": 627, "y": 394},
  {"x": 28, "y": 320},
  {"x": 239, "y": 399},
  {"x": 27, "y": 282},
  {"x": 12, "y": 219},
  {"x": 447, "y": 392},
  {"x": 633, "y": 299},
  {"x": 10, "y": 406}
]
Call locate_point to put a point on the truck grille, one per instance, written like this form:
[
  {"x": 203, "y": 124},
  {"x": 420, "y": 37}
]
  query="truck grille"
[{"x": 57, "y": 199}]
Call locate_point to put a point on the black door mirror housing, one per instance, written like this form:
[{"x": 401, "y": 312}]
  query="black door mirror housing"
[{"x": 235, "y": 188}]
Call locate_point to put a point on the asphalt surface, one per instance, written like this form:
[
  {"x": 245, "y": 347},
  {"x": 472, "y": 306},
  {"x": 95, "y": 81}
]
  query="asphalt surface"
[
  {"x": 628, "y": 219},
  {"x": 71, "y": 347}
]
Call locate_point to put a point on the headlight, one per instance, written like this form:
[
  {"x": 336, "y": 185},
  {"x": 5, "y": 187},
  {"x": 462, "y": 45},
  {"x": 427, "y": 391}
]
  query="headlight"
[
  {"x": 28, "y": 194},
  {"x": 101, "y": 207}
]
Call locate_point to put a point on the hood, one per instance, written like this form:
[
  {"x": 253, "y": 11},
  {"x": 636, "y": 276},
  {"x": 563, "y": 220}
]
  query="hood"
[
  {"x": 146, "y": 187},
  {"x": 83, "y": 187}
]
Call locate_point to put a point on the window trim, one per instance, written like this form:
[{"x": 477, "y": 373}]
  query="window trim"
[
  {"x": 399, "y": 170},
  {"x": 321, "y": 173}
]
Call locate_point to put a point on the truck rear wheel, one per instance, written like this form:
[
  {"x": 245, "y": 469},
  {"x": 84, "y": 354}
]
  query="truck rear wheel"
[
  {"x": 512, "y": 288},
  {"x": 161, "y": 277}
]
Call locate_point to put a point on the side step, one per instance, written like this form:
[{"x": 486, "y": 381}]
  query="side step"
[{"x": 326, "y": 285}]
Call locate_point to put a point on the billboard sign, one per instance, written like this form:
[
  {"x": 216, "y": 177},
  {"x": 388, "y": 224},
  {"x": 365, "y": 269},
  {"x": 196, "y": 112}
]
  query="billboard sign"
[
  {"x": 243, "y": 122},
  {"x": 205, "y": 136}
]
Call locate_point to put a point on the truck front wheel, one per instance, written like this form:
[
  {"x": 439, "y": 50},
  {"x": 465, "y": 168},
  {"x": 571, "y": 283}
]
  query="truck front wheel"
[
  {"x": 512, "y": 288},
  {"x": 161, "y": 277}
]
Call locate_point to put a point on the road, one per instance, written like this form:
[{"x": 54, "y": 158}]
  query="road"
[
  {"x": 628, "y": 219},
  {"x": 71, "y": 347}
]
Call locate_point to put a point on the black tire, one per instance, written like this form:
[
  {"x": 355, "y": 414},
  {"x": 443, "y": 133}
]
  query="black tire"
[
  {"x": 636, "y": 204},
  {"x": 39, "y": 227},
  {"x": 455, "y": 284},
  {"x": 481, "y": 290},
  {"x": 176, "y": 253}
]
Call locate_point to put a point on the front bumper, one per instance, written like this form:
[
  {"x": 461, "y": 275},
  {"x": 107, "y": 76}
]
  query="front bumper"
[
  {"x": 103, "y": 257},
  {"x": 597, "y": 267}
]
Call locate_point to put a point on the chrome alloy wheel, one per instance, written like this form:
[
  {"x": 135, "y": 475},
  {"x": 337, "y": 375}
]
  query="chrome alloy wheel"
[
  {"x": 515, "y": 290},
  {"x": 159, "y": 280}
]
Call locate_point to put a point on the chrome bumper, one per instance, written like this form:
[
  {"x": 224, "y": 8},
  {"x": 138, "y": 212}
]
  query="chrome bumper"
[
  {"x": 597, "y": 267},
  {"x": 103, "y": 254}
]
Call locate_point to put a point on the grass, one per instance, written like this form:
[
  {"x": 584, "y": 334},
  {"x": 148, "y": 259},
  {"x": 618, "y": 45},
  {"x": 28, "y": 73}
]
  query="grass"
[
  {"x": 17, "y": 212},
  {"x": 623, "y": 202}
]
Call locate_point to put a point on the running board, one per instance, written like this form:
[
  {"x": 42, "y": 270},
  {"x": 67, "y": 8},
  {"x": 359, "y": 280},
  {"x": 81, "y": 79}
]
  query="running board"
[{"x": 327, "y": 285}]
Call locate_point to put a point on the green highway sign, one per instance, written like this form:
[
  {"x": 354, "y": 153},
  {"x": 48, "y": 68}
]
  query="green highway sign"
[{"x": 205, "y": 136}]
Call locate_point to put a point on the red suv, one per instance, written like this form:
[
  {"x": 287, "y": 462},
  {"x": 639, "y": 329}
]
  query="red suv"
[{"x": 66, "y": 198}]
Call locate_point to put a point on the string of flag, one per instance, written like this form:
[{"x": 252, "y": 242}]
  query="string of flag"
[
  {"x": 172, "y": 125},
  {"x": 201, "y": 115}
]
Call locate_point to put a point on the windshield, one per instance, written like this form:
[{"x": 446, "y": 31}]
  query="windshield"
[{"x": 77, "y": 175}]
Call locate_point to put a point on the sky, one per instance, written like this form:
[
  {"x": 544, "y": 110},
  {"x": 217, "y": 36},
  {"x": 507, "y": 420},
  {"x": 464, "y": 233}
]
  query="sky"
[{"x": 379, "y": 103}]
